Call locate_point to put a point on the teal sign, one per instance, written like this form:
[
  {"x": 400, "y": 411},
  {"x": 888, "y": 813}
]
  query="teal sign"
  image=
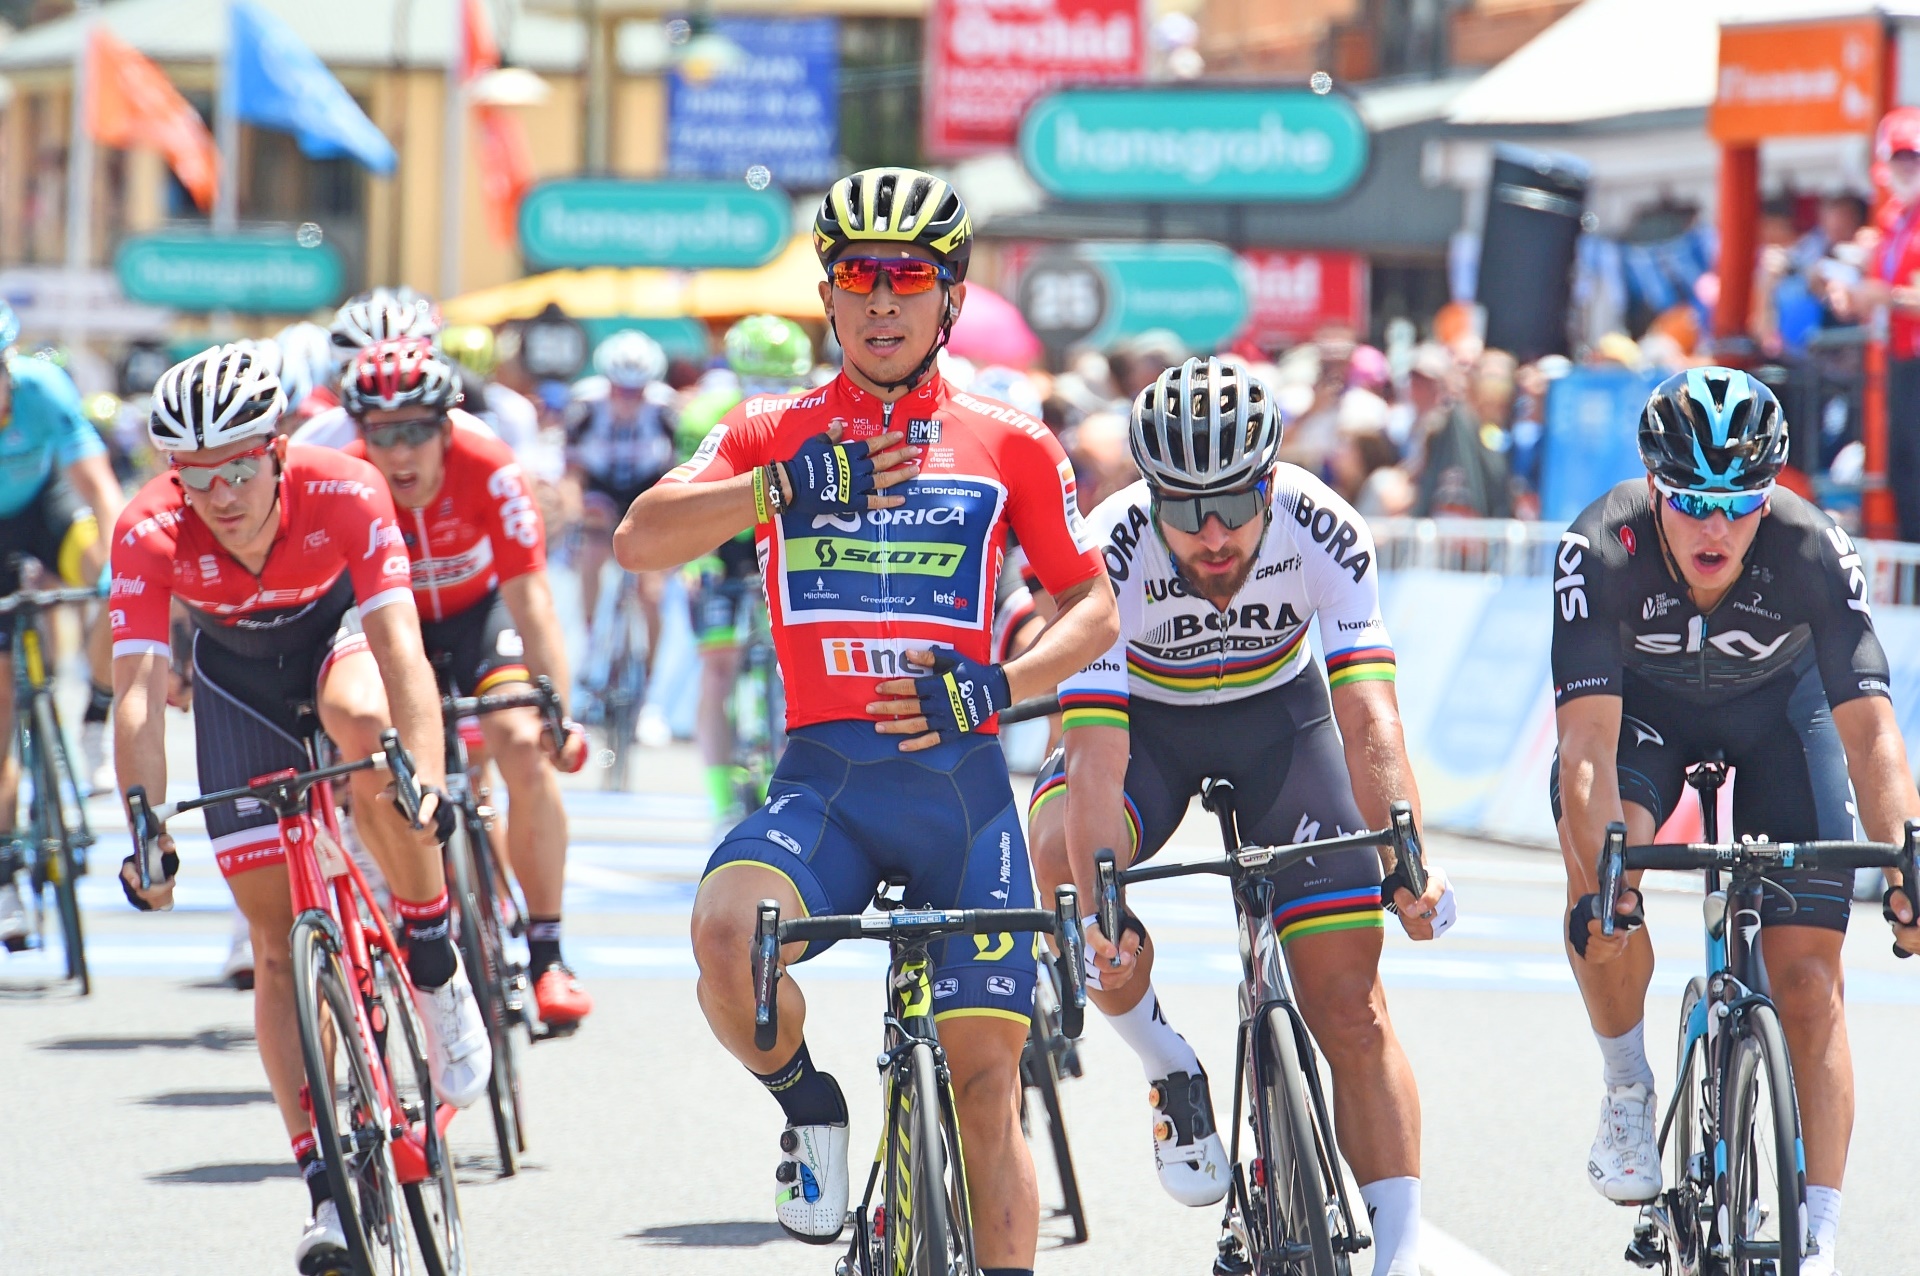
[
  {"x": 688, "y": 225},
  {"x": 255, "y": 274},
  {"x": 681, "y": 338},
  {"x": 1175, "y": 145},
  {"x": 1195, "y": 291}
]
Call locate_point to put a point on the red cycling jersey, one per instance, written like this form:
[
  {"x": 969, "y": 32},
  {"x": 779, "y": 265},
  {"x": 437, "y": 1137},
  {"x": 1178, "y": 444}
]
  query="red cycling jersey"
[
  {"x": 338, "y": 544},
  {"x": 847, "y": 594},
  {"x": 480, "y": 529}
]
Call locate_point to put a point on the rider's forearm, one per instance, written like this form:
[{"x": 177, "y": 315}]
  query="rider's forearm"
[
  {"x": 93, "y": 482},
  {"x": 1086, "y": 625},
  {"x": 529, "y": 601},
  {"x": 674, "y": 523},
  {"x": 140, "y": 723},
  {"x": 413, "y": 701},
  {"x": 1376, "y": 751},
  {"x": 1877, "y": 765},
  {"x": 1096, "y": 804},
  {"x": 1589, "y": 799}
]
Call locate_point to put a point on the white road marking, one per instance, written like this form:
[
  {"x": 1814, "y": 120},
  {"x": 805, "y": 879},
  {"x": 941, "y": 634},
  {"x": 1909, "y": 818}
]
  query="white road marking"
[{"x": 1443, "y": 1255}]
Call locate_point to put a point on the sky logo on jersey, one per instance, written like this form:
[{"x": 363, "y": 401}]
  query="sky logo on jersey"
[
  {"x": 867, "y": 657},
  {"x": 924, "y": 561}
]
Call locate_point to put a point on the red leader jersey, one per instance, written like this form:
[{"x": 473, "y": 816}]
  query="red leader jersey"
[
  {"x": 481, "y": 528},
  {"x": 847, "y": 594},
  {"x": 338, "y": 545}
]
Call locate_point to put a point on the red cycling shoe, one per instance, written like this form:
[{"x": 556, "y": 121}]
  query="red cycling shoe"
[{"x": 561, "y": 1001}]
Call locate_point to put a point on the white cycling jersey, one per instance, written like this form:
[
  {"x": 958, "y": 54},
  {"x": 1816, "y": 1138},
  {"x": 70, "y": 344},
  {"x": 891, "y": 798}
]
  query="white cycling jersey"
[{"x": 1317, "y": 559}]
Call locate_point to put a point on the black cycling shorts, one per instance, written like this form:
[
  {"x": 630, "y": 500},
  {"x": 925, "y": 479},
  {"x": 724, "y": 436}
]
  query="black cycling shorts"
[
  {"x": 476, "y": 650},
  {"x": 56, "y": 529},
  {"x": 1791, "y": 783},
  {"x": 605, "y": 494},
  {"x": 1282, "y": 753}
]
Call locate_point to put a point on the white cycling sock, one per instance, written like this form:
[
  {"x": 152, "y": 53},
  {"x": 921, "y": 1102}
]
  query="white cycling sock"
[
  {"x": 1162, "y": 1051},
  {"x": 1393, "y": 1209},
  {"x": 1823, "y": 1220},
  {"x": 1625, "y": 1058}
]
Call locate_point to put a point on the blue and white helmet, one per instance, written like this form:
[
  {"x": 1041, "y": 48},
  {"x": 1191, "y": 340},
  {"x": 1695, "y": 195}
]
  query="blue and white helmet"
[{"x": 1713, "y": 430}]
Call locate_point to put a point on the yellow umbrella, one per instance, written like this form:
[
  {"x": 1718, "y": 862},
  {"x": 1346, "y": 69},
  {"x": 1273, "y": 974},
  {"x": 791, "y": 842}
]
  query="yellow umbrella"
[
  {"x": 584, "y": 294},
  {"x": 789, "y": 285}
]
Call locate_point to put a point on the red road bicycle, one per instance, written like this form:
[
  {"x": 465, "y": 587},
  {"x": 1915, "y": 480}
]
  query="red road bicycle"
[{"x": 379, "y": 1128}]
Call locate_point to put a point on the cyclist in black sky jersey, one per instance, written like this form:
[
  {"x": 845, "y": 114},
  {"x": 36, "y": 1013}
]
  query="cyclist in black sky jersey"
[{"x": 1705, "y": 608}]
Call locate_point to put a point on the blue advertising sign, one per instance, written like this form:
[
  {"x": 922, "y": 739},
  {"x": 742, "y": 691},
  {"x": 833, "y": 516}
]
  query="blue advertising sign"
[
  {"x": 777, "y": 105},
  {"x": 1593, "y": 421}
]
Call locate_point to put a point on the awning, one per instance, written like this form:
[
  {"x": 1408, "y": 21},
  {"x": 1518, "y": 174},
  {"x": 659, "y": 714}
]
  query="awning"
[{"x": 789, "y": 285}]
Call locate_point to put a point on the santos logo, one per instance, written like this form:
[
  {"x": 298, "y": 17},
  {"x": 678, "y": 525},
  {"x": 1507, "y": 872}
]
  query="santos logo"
[{"x": 865, "y": 657}]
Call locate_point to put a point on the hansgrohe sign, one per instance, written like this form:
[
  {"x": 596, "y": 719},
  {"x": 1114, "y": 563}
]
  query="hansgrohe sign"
[
  {"x": 1176, "y": 145},
  {"x": 688, "y": 225}
]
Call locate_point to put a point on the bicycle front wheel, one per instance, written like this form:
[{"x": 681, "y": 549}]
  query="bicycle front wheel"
[
  {"x": 349, "y": 1126},
  {"x": 433, "y": 1202},
  {"x": 1042, "y": 1065},
  {"x": 1762, "y": 1211},
  {"x": 929, "y": 1231},
  {"x": 1296, "y": 1205},
  {"x": 56, "y": 844},
  {"x": 485, "y": 958}
]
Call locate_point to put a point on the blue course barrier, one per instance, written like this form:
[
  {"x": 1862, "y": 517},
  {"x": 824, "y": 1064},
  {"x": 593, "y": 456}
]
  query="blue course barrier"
[{"x": 1592, "y": 420}]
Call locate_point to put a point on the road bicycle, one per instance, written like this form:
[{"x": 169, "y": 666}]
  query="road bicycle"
[
  {"x": 758, "y": 705},
  {"x": 1287, "y": 1210},
  {"x": 489, "y": 911},
  {"x": 1050, "y": 1057},
  {"x": 1731, "y": 1135},
  {"x": 921, "y": 1224},
  {"x": 379, "y": 1127},
  {"x": 614, "y": 679},
  {"x": 52, "y": 857}
]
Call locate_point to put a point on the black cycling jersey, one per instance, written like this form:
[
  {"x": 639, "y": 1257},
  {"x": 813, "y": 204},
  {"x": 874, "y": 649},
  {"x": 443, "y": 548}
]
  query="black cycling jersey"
[{"x": 1620, "y": 608}]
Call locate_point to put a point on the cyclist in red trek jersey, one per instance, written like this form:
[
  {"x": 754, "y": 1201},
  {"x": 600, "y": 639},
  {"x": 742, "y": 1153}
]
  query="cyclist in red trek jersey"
[
  {"x": 881, "y": 504},
  {"x": 291, "y": 565},
  {"x": 480, "y": 583}
]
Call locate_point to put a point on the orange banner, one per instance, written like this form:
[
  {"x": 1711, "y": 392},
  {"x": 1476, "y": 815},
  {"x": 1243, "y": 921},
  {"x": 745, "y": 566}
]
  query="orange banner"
[
  {"x": 132, "y": 103},
  {"x": 1801, "y": 79}
]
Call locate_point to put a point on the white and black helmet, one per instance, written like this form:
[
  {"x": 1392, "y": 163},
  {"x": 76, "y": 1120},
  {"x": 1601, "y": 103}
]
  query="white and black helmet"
[
  {"x": 382, "y": 314},
  {"x": 630, "y": 359},
  {"x": 1204, "y": 426},
  {"x": 219, "y": 396}
]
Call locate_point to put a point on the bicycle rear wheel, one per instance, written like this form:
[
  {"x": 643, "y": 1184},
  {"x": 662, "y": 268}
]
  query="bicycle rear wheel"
[
  {"x": 53, "y": 841},
  {"x": 1041, "y": 1065},
  {"x": 484, "y": 957},
  {"x": 1689, "y": 1177},
  {"x": 349, "y": 1126},
  {"x": 433, "y": 1203},
  {"x": 1762, "y": 1210},
  {"x": 1295, "y": 1204}
]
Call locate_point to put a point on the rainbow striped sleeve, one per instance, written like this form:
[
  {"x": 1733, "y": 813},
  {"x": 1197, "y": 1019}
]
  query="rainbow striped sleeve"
[
  {"x": 1360, "y": 664},
  {"x": 1088, "y": 707}
]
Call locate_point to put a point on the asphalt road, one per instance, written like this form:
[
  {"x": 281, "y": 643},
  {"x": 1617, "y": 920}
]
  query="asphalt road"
[{"x": 136, "y": 1134}]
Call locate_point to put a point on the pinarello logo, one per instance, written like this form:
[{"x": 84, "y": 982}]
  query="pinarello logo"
[{"x": 1628, "y": 539}]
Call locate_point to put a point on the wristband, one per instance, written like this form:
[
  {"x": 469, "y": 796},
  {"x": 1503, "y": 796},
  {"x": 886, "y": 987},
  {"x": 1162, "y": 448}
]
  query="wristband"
[
  {"x": 761, "y": 512},
  {"x": 776, "y": 488}
]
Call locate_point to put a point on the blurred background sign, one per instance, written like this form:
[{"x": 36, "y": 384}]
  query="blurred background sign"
[
  {"x": 607, "y": 222},
  {"x": 250, "y": 273},
  {"x": 554, "y": 345},
  {"x": 680, "y": 337},
  {"x": 1593, "y": 417},
  {"x": 1179, "y": 144},
  {"x": 1101, "y": 293},
  {"x": 987, "y": 60},
  {"x": 774, "y": 103},
  {"x": 1293, "y": 295},
  {"x": 1803, "y": 78},
  {"x": 1063, "y": 299}
]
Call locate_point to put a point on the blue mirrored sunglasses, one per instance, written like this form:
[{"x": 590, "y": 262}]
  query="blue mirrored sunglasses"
[{"x": 1734, "y": 505}]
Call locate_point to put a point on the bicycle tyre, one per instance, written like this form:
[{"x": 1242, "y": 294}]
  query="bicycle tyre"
[
  {"x": 365, "y": 1187},
  {"x": 1044, "y": 1076},
  {"x": 928, "y": 1232},
  {"x": 486, "y": 973},
  {"x": 434, "y": 1203},
  {"x": 51, "y": 817},
  {"x": 1759, "y": 1056},
  {"x": 1291, "y": 1150},
  {"x": 1688, "y": 1137}
]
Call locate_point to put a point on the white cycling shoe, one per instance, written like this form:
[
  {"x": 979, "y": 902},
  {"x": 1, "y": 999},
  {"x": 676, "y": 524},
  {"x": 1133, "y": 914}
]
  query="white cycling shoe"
[
  {"x": 1624, "y": 1164},
  {"x": 1186, "y": 1144},
  {"x": 96, "y": 758},
  {"x": 238, "y": 968},
  {"x": 13, "y": 918},
  {"x": 458, "y": 1050},
  {"x": 322, "y": 1250},
  {"x": 810, "y": 1183}
]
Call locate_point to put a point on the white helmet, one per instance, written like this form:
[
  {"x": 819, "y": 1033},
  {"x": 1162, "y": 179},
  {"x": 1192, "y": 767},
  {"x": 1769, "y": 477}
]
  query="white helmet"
[
  {"x": 383, "y": 314},
  {"x": 630, "y": 360},
  {"x": 307, "y": 360},
  {"x": 219, "y": 396},
  {"x": 1204, "y": 426}
]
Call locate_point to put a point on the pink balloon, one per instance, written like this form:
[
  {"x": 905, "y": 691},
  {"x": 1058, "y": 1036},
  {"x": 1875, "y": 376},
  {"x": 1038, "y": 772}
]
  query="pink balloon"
[{"x": 991, "y": 330}]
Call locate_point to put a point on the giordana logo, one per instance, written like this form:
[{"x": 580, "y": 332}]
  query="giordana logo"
[
  {"x": 945, "y": 987},
  {"x": 865, "y": 657},
  {"x": 1000, "y": 985}
]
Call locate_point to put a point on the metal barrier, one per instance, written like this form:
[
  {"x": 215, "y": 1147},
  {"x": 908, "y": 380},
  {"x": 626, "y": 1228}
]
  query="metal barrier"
[{"x": 1505, "y": 547}]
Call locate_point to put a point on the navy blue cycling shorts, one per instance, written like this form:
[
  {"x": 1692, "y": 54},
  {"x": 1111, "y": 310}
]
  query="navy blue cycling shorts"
[{"x": 847, "y": 810}]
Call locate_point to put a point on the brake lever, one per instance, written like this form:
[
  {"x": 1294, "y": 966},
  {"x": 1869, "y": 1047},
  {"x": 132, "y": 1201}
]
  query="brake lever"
[
  {"x": 1107, "y": 901},
  {"x": 1410, "y": 860},
  {"x": 766, "y": 976},
  {"x": 406, "y": 789},
  {"x": 1910, "y": 877},
  {"x": 1072, "y": 960},
  {"x": 1613, "y": 860}
]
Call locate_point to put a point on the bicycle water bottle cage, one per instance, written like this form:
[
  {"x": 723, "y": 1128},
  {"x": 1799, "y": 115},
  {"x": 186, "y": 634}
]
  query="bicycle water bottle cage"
[{"x": 890, "y": 896}]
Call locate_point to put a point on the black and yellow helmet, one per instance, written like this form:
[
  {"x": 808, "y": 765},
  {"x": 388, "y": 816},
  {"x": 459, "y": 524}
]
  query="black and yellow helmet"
[{"x": 895, "y": 205}]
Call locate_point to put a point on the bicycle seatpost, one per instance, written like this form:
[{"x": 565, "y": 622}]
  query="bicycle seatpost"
[
  {"x": 1216, "y": 795},
  {"x": 1706, "y": 778}
]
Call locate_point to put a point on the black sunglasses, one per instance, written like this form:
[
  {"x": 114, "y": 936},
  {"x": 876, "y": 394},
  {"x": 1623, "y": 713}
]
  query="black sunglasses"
[{"x": 1234, "y": 509}]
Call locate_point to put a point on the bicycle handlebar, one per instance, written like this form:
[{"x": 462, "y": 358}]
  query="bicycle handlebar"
[
  {"x": 46, "y": 599},
  {"x": 916, "y": 923},
  {"x": 1028, "y": 710},
  {"x": 541, "y": 696}
]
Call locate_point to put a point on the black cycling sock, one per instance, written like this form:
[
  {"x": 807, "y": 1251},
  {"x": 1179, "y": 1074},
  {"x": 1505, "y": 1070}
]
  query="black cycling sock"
[
  {"x": 428, "y": 936},
  {"x": 1006, "y": 1271},
  {"x": 306, "y": 1154},
  {"x": 99, "y": 703},
  {"x": 543, "y": 943},
  {"x": 807, "y": 1095}
]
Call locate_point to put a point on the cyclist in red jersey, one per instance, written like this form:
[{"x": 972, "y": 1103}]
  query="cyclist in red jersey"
[
  {"x": 480, "y": 584},
  {"x": 881, "y": 504},
  {"x": 291, "y": 566}
]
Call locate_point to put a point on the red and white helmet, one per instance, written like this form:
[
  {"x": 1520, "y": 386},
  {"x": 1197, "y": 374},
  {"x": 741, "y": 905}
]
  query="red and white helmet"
[
  {"x": 399, "y": 374},
  {"x": 1899, "y": 131},
  {"x": 383, "y": 314},
  {"x": 219, "y": 396}
]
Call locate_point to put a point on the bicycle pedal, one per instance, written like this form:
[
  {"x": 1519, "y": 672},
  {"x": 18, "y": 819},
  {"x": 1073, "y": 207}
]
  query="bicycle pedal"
[{"x": 555, "y": 1032}]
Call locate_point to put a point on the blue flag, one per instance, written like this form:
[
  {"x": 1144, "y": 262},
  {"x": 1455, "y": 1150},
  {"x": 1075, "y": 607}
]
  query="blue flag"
[{"x": 278, "y": 83}]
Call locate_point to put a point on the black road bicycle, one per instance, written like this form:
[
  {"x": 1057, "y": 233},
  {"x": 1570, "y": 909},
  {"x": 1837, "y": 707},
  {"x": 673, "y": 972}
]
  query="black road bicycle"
[
  {"x": 52, "y": 856},
  {"x": 1736, "y": 1200},
  {"x": 921, "y": 1224},
  {"x": 1287, "y": 1211},
  {"x": 1050, "y": 1057}
]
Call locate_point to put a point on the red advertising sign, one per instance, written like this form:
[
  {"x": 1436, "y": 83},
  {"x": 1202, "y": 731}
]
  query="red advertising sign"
[
  {"x": 1295, "y": 294},
  {"x": 987, "y": 59}
]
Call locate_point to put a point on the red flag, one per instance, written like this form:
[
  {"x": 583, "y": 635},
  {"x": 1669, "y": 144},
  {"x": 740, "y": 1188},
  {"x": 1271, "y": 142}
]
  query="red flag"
[
  {"x": 483, "y": 51},
  {"x": 130, "y": 102},
  {"x": 506, "y": 157}
]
